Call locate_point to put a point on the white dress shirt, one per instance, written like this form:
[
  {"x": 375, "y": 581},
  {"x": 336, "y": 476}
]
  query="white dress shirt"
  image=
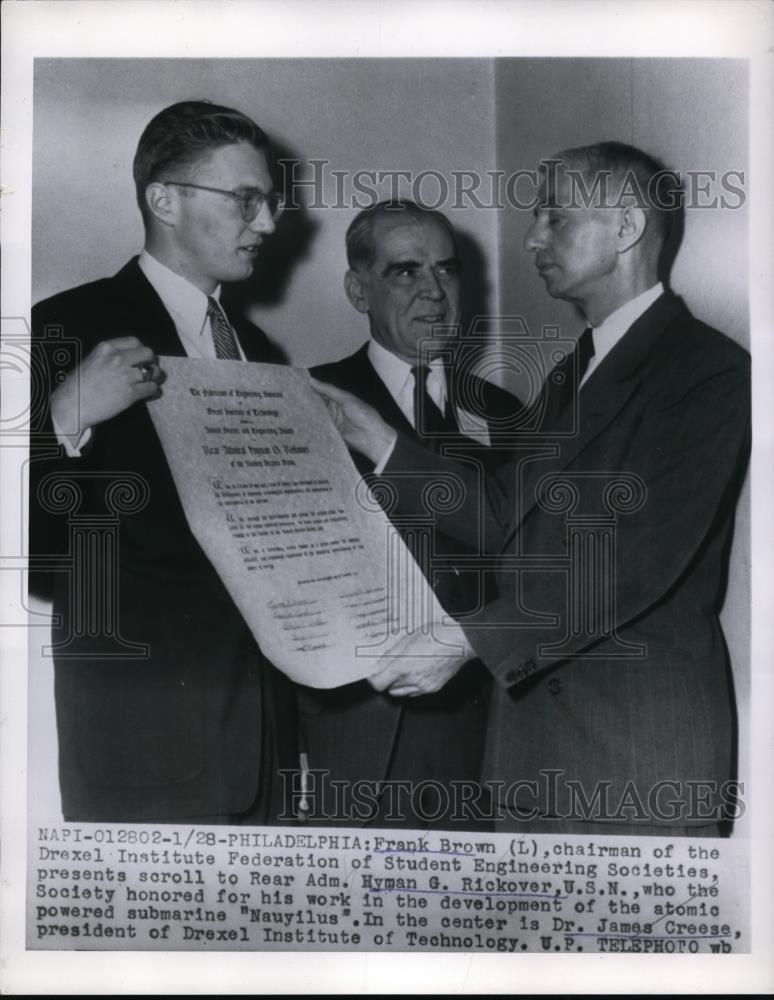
[
  {"x": 187, "y": 307},
  {"x": 397, "y": 377},
  {"x": 607, "y": 334}
]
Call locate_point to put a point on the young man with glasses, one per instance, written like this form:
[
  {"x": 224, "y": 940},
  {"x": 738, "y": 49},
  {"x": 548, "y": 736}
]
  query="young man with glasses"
[{"x": 196, "y": 726}]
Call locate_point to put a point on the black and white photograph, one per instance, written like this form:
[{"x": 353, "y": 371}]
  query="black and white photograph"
[{"x": 387, "y": 449}]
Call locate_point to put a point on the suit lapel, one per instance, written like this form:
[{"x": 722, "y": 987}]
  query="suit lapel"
[
  {"x": 144, "y": 314},
  {"x": 383, "y": 401},
  {"x": 608, "y": 390},
  {"x": 368, "y": 386},
  {"x": 598, "y": 404}
]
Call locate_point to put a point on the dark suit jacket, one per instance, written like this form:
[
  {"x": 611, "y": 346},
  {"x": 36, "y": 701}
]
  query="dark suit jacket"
[
  {"x": 670, "y": 407},
  {"x": 357, "y": 733},
  {"x": 177, "y": 733}
]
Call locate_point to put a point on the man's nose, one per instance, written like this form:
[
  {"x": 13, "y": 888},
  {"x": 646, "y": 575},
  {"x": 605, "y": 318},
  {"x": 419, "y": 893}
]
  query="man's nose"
[
  {"x": 533, "y": 239},
  {"x": 432, "y": 287},
  {"x": 263, "y": 223}
]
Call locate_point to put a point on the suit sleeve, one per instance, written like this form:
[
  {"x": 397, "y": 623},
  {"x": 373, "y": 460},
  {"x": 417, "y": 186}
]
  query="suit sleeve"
[
  {"x": 52, "y": 355},
  {"x": 690, "y": 462},
  {"x": 481, "y": 517}
]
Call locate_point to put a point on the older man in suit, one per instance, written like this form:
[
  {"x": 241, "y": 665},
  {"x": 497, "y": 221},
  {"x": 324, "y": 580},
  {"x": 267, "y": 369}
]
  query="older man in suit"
[
  {"x": 404, "y": 275},
  {"x": 166, "y": 708},
  {"x": 613, "y": 706}
]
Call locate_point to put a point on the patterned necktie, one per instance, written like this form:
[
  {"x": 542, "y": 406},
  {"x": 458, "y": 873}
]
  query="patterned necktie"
[
  {"x": 429, "y": 421},
  {"x": 222, "y": 334}
]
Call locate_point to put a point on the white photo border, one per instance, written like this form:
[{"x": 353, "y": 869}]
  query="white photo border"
[{"x": 363, "y": 28}]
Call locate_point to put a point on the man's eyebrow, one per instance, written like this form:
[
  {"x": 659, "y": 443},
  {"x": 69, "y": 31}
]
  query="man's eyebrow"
[
  {"x": 400, "y": 265},
  {"x": 406, "y": 265}
]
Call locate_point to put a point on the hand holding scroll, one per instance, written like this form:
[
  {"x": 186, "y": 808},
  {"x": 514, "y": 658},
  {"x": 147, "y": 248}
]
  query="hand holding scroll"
[
  {"x": 407, "y": 670},
  {"x": 358, "y": 423},
  {"x": 116, "y": 374}
]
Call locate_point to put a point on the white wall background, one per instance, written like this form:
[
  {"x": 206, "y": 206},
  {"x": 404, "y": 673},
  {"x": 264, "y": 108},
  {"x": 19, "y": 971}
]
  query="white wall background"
[{"x": 396, "y": 114}]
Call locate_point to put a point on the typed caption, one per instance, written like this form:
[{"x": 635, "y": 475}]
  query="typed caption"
[{"x": 117, "y": 887}]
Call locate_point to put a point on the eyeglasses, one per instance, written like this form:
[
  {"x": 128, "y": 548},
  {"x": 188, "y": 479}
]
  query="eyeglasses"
[{"x": 250, "y": 203}]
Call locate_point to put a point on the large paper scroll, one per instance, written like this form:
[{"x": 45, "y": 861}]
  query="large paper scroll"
[{"x": 274, "y": 499}]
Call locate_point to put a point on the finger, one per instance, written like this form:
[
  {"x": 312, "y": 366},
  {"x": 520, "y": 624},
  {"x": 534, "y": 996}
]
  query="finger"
[
  {"x": 392, "y": 668},
  {"x": 405, "y": 692},
  {"x": 393, "y": 655},
  {"x": 333, "y": 410},
  {"x": 332, "y": 392},
  {"x": 146, "y": 390},
  {"x": 330, "y": 404},
  {"x": 389, "y": 674},
  {"x": 124, "y": 343},
  {"x": 138, "y": 356},
  {"x": 147, "y": 371},
  {"x": 325, "y": 388}
]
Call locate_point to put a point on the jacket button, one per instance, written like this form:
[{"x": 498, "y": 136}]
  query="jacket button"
[
  {"x": 510, "y": 677},
  {"x": 554, "y": 685}
]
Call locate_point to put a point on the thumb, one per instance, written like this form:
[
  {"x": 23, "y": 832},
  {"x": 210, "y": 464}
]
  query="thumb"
[{"x": 328, "y": 391}]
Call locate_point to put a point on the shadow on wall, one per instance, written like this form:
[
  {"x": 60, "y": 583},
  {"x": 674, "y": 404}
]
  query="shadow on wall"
[
  {"x": 674, "y": 239},
  {"x": 277, "y": 259},
  {"x": 474, "y": 281}
]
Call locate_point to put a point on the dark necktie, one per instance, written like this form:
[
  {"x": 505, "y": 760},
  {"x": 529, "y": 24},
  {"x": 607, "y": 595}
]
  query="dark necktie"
[
  {"x": 222, "y": 335},
  {"x": 585, "y": 352},
  {"x": 574, "y": 364},
  {"x": 429, "y": 421}
]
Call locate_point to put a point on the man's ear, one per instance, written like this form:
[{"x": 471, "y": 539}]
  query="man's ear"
[
  {"x": 632, "y": 225},
  {"x": 353, "y": 286},
  {"x": 161, "y": 203}
]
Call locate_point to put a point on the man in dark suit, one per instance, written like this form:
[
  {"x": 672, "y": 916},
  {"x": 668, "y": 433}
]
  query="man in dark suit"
[
  {"x": 166, "y": 708},
  {"x": 613, "y": 707},
  {"x": 404, "y": 275}
]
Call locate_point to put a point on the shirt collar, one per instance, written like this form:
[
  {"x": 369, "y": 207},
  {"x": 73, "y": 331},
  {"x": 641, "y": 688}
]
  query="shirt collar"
[
  {"x": 608, "y": 333},
  {"x": 395, "y": 372},
  {"x": 186, "y": 303}
]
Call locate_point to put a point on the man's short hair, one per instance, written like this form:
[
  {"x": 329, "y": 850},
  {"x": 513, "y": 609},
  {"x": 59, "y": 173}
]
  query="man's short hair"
[
  {"x": 634, "y": 177},
  {"x": 361, "y": 251},
  {"x": 180, "y": 135}
]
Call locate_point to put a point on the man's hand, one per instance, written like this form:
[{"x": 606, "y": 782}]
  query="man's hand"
[
  {"x": 358, "y": 423},
  {"x": 106, "y": 382},
  {"x": 407, "y": 670}
]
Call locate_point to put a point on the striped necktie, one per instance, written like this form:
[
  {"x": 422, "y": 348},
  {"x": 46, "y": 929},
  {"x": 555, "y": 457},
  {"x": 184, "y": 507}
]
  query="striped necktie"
[{"x": 222, "y": 335}]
